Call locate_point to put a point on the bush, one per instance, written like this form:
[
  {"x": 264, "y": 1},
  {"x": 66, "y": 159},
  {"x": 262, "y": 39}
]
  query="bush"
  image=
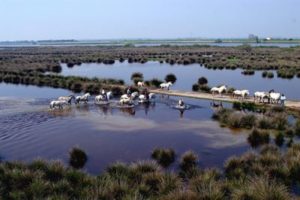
[
  {"x": 76, "y": 87},
  {"x": 257, "y": 138},
  {"x": 137, "y": 75},
  {"x": 289, "y": 133},
  {"x": 56, "y": 68},
  {"x": 195, "y": 87},
  {"x": 188, "y": 161},
  {"x": 244, "y": 106},
  {"x": 117, "y": 90},
  {"x": 237, "y": 105},
  {"x": 155, "y": 82},
  {"x": 230, "y": 90},
  {"x": 78, "y": 158},
  {"x": 202, "y": 81},
  {"x": 70, "y": 65},
  {"x": 204, "y": 88},
  {"x": 297, "y": 127},
  {"x": 248, "y": 72},
  {"x": 280, "y": 121},
  {"x": 261, "y": 188},
  {"x": 265, "y": 123},
  {"x": 136, "y": 80},
  {"x": 270, "y": 75},
  {"x": 290, "y": 142},
  {"x": 170, "y": 78},
  {"x": 248, "y": 121},
  {"x": 207, "y": 186},
  {"x": 264, "y": 74},
  {"x": 279, "y": 139},
  {"x": 164, "y": 157}
]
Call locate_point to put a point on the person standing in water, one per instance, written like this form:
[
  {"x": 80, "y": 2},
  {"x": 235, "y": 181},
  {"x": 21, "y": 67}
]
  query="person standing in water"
[
  {"x": 282, "y": 99},
  {"x": 180, "y": 102}
]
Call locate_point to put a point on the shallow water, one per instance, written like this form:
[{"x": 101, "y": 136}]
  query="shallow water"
[
  {"x": 28, "y": 130},
  {"x": 187, "y": 76}
]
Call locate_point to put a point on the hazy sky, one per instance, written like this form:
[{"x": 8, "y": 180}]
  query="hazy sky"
[{"x": 109, "y": 19}]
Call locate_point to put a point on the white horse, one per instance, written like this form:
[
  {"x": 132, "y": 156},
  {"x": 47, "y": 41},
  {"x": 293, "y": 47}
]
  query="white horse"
[
  {"x": 274, "y": 97},
  {"x": 152, "y": 96},
  {"x": 141, "y": 84},
  {"x": 218, "y": 90},
  {"x": 84, "y": 98},
  {"x": 109, "y": 95},
  {"x": 125, "y": 101},
  {"x": 134, "y": 95},
  {"x": 241, "y": 93},
  {"x": 68, "y": 99},
  {"x": 165, "y": 85},
  {"x": 260, "y": 96},
  {"x": 57, "y": 103},
  {"x": 143, "y": 98},
  {"x": 125, "y": 96},
  {"x": 103, "y": 97}
]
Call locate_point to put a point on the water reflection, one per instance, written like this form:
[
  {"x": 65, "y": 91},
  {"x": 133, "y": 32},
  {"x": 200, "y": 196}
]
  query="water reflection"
[
  {"x": 105, "y": 110},
  {"x": 28, "y": 129}
]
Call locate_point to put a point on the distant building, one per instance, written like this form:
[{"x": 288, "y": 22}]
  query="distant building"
[
  {"x": 252, "y": 37},
  {"x": 268, "y": 38}
]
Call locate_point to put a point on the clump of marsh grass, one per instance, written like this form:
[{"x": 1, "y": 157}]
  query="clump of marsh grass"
[
  {"x": 264, "y": 174},
  {"x": 202, "y": 81},
  {"x": 207, "y": 185},
  {"x": 170, "y": 78},
  {"x": 260, "y": 188},
  {"x": 297, "y": 127},
  {"x": 153, "y": 82},
  {"x": 248, "y": 72},
  {"x": 188, "y": 164},
  {"x": 136, "y": 77},
  {"x": 78, "y": 158},
  {"x": 234, "y": 119},
  {"x": 181, "y": 194},
  {"x": 164, "y": 157},
  {"x": 195, "y": 87},
  {"x": 258, "y": 137},
  {"x": 270, "y": 75}
]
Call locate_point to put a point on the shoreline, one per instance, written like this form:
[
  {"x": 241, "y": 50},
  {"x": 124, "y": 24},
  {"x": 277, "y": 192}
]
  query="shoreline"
[{"x": 292, "y": 104}]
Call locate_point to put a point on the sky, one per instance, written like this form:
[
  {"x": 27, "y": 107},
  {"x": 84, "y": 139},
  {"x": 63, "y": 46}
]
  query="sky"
[{"x": 137, "y": 19}]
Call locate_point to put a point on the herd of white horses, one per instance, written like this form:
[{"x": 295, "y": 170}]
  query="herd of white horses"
[
  {"x": 102, "y": 99},
  {"x": 128, "y": 99},
  {"x": 260, "y": 96}
]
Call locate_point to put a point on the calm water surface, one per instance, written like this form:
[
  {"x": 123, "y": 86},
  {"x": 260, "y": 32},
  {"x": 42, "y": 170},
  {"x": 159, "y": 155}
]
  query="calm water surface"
[
  {"x": 28, "y": 130},
  {"x": 187, "y": 76}
]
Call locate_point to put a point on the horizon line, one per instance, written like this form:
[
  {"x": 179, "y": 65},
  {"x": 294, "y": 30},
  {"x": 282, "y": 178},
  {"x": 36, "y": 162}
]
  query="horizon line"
[{"x": 143, "y": 39}]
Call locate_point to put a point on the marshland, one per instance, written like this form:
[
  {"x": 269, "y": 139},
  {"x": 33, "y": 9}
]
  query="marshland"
[
  {"x": 146, "y": 100},
  {"x": 177, "y": 152}
]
